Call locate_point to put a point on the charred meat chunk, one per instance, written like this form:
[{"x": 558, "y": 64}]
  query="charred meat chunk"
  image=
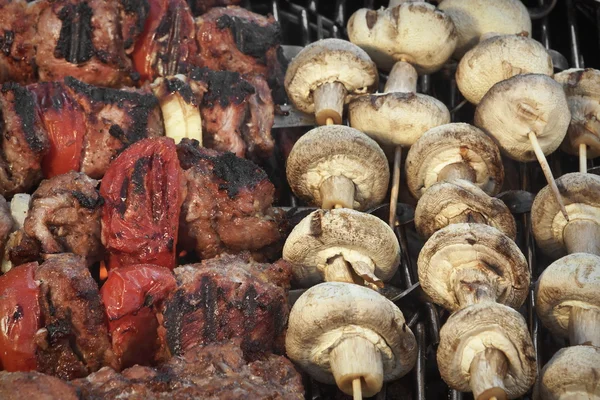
[
  {"x": 74, "y": 341},
  {"x": 64, "y": 217},
  {"x": 224, "y": 298},
  {"x": 82, "y": 39},
  {"x": 35, "y": 385},
  {"x": 199, "y": 7},
  {"x": 23, "y": 142},
  {"x": 133, "y": 15},
  {"x": 228, "y": 204},
  {"x": 114, "y": 120}
]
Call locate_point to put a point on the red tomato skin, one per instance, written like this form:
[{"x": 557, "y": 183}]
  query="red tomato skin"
[
  {"x": 65, "y": 124},
  {"x": 142, "y": 54},
  {"x": 19, "y": 318},
  {"x": 129, "y": 295},
  {"x": 143, "y": 190}
]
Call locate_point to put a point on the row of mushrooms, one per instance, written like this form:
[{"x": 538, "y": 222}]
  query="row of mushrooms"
[{"x": 341, "y": 330}]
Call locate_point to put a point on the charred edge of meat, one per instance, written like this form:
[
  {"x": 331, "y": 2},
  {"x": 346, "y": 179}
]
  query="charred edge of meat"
[
  {"x": 86, "y": 201},
  {"x": 142, "y": 104},
  {"x": 24, "y": 104},
  {"x": 236, "y": 172},
  {"x": 250, "y": 38},
  {"x": 6, "y": 42},
  {"x": 75, "y": 40},
  {"x": 177, "y": 85},
  {"x": 139, "y": 8},
  {"x": 223, "y": 87}
]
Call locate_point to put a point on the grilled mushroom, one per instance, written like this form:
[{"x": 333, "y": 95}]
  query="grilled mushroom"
[
  {"x": 323, "y": 76},
  {"x": 496, "y": 59},
  {"x": 571, "y": 374},
  {"x": 486, "y": 348},
  {"x": 464, "y": 264},
  {"x": 342, "y": 245},
  {"x": 338, "y": 166},
  {"x": 567, "y": 298},
  {"x": 474, "y": 18},
  {"x": 583, "y": 95},
  {"x": 454, "y": 151},
  {"x": 580, "y": 234},
  {"x": 337, "y": 334},
  {"x": 528, "y": 116},
  {"x": 460, "y": 201}
]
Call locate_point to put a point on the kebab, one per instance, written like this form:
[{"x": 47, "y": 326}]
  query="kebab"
[
  {"x": 400, "y": 116},
  {"x": 583, "y": 97}
]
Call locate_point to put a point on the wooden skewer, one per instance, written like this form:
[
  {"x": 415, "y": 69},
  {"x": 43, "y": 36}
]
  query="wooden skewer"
[
  {"x": 547, "y": 172},
  {"x": 329, "y": 121},
  {"x": 395, "y": 186},
  {"x": 583, "y": 158},
  {"x": 356, "y": 389}
]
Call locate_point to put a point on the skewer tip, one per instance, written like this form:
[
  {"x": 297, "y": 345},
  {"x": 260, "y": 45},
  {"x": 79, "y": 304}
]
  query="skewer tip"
[{"x": 357, "y": 389}]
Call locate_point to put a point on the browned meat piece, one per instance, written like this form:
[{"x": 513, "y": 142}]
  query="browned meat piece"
[
  {"x": 199, "y": 7},
  {"x": 23, "y": 143},
  {"x": 235, "y": 39},
  {"x": 6, "y": 223},
  {"x": 228, "y": 297},
  {"x": 74, "y": 340},
  {"x": 133, "y": 14},
  {"x": 34, "y": 385},
  {"x": 257, "y": 132},
  {"x": 82, "y": 39},
  {"x": 228, "y": 204},
  {"x": 215, "y": 371},
  {"x": 18, "y": 21},
  {"x": 64, "y": 217},
  {"x": 115, "y": 119}
]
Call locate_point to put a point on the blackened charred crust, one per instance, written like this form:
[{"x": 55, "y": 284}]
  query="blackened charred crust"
[
  {"x": 140, "y": 169},
  {"x": 75, "y": 40},
  {"x": 223, "y": 87},
  {"x": 89, "y": 202},
  {"x": 250, "y": 38},
  {"x": 175, "y": 85},
  {"x": 24, "y": 105},
  {"x": 6, "y": 42},
  {"x": 140, "y": 8}
]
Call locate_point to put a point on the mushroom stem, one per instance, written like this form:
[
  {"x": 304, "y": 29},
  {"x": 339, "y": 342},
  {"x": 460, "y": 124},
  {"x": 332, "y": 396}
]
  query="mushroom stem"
[
  {"x": 395, "y": 186},
  {"x": 582, "y": 158},
  {"x": 337, "y": 270},
  {"x": 329, "y": 102},
  {"x": 402, "y": 78},
  {"x": 583, "y": 326},
  {"x": 356, "y": 358},
  {"x": 471, "y": 285},
  {"x": 547, "y": 172},
  {"x": 582, "y": 236},
  {"x": 457, "y": 170},
  {"x": 337, "y": 192},
  {"x": 488, "y": 370}
]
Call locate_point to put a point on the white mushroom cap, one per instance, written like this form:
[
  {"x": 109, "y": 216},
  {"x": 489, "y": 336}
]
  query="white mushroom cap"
[
  {"x": 394, "y": 119},
  {"x": 473, "y": 18},
  {"x": 472, "y": 246},
  {"x": 524, "y": 103},
  {"x": 460, "y": 201},
  {"x": 571, "y": 281},
  {"x": 450, "y": 144},
  {"x": 481, "y": 326},
  {"x": 580, "y": 194},
  {"x": 415, "y": 32},
  {"x": 325, "y": 234},
  {"x": 499, "y": 58},
  {"x": 328, "y": 313},
  {"x": 582, "y": 87},
  {"x": 329, "y": 61},
  {"x": 571, "y": 374},
  {"x": 338, "y": 150}
]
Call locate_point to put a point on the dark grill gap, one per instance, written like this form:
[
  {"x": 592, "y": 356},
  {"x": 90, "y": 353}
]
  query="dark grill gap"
[{"x": 572, "y": 29}]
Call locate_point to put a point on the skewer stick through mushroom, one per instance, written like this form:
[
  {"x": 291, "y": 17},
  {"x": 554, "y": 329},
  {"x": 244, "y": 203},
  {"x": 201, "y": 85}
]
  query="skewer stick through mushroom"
[
  {"x": 528, "y": 116},
  {"x": 399, "y": 116}
]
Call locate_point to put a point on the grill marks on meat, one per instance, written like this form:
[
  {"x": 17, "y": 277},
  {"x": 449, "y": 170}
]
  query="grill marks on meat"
[
  {"x": 236, "y": 39},
  {"x": 228, "y": 204},
  {"x": 23, "y": 142},
  {"x": 64, "y": 217},
  {"x": 115, "y": 119},
  {"x": 74, "y": 341},
  {"x": 227, "y": 297},
  {"x": 215, "y": 371},
  {"x": 35, "y": 385},
  {"x": 83, "y": 40}
]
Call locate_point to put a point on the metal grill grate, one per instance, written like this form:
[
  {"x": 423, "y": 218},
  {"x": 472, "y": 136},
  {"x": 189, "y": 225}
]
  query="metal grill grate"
[{"x": 556, "y": 27}]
